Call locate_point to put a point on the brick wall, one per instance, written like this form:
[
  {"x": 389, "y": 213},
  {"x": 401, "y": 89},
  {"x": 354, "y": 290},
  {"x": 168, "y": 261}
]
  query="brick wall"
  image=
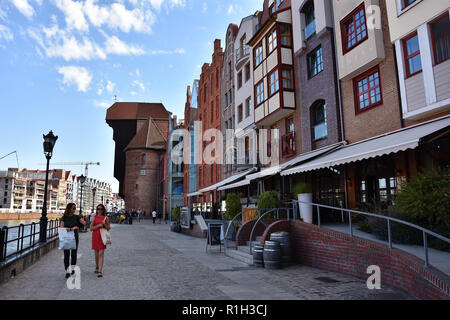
[
  {"x": 194, "y": 231},
  {"x": 243, "y": 234},
  {"x": 338, "y": 252}
]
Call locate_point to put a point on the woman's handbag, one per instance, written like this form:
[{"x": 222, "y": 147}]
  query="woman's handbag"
[
  {"x": 66, "y": 239},
  {"x": 106, "y": 235}
]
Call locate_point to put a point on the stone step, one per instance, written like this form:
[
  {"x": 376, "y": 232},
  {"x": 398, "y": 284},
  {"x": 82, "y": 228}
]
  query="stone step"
[{"x": 240, "y": 256}]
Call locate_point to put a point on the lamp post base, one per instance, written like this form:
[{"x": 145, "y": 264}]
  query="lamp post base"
[{"x": 43, "y": 229}]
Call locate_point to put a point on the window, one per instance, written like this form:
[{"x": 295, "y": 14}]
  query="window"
[
  {"x": 319, "y": 120},
  {"x": 258, "y": 55},
  {"x": 226, "y": 100},
  {"x": 411, "y": 50},
  {"x": 273, "y": 83},
  {"x": 290, "y": 125},
  {"x": 248, "y": 106},
  {"x": 240, "y": 113},
  {"x": 272, "y": 9},
  {"x": 212, "y": 112},
  {"x": 230, "y": 73},
  {"x": 143, "y": 172},
  {"x": 310, "y": 19},
  {"x": 407, "y": 3},
  {"x": 354, "y": 29},
  {"x": 315, "y": 63},
  {"x": 368, "y": 90},
  {"x": 230, "y": 95},
  {"x": 217, "y": 78},
  {"x": 143, "y": 158},
  {"x": 272, "y": 40},
  {"x": 285, "y": 35},
  {"x": 217, "y": 108},
  {"x": 259, "y": 93},
  {"x": 441, "y": 38},
  {"x": 278, "y": 4},
  {"x": 247, "y": 72},
  {"x": 287, "y": 78},
  {"x": 239, "y": 80},
  {"x": 247, "y": 150}
]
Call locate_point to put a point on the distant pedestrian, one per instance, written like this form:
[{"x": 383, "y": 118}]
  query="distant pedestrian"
[
  {"x": 100, "y": 221},
  {"x": 139, "y": 214},
  {"x": 71, "y": 222},
  {"x": 154, "y": 215}
]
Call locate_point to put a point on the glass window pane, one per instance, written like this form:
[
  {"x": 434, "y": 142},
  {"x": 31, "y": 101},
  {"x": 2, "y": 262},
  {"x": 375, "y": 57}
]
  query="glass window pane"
[
  {"x": 412, "y": 45},
  {"x": 415, "y": 64}
]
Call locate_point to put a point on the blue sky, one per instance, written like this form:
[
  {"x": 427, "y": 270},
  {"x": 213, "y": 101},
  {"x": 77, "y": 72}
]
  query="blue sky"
[{"x": 63, "y": 61}]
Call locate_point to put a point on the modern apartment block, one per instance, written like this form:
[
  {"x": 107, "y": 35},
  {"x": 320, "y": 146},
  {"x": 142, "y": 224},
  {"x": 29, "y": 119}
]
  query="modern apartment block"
[
  {"x": 420, "y": 32},
  {"x": 95, "y": 192},
  {"x": 209, "y": 114}
]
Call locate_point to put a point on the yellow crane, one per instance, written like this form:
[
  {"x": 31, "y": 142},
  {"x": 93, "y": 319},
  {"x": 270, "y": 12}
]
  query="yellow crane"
[{"x": 85, "y": 164}]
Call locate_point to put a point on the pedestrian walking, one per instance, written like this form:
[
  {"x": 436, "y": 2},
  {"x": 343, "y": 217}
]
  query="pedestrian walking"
[
  {"x": 100, "y": 221},
  {"x": 154, "y": 215},
  {"x": 71, "y": 222}
]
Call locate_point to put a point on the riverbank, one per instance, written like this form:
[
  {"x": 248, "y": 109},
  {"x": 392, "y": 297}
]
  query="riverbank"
[{"x": 27, "y": 216}]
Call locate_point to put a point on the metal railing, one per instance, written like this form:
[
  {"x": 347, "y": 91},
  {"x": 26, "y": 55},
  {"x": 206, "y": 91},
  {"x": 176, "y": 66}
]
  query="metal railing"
[
  {"x": 287, "y": 209},
  {"x": 225, "y": 244},
  {"x": 27, "y": 237},
  {"x": 389, "y": 220}
]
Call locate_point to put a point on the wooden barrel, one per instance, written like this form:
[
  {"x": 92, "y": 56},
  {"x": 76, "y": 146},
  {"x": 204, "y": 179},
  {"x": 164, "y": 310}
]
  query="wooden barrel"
[
  {"x": 272, "y": 255},
  {"x": 258, "y": 255},
  {"x": 285, "y": 244}
]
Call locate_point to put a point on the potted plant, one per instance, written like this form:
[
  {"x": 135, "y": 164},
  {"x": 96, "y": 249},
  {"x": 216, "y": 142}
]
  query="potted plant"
[
  {"x": 304, "y": 194},
  {"x": 233, "y": 208},
  {"x": 269, "y": 200},
  {"x": 176, "y": 227}
]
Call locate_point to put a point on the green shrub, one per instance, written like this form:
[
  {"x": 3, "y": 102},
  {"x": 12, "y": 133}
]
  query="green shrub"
[
  {"x": 269, "y": 200},
  {"x": 301, "y": 188},
  {"x": 176, "y": 214},
  {"x": 233, "y": 206},
  {"x": 425, "y": 200}
]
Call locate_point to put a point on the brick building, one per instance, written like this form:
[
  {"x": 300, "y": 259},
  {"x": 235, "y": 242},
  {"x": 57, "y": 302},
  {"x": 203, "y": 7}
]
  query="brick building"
[
  {"x": 141, "y": 132},
  {"x": 209, "y": 114}
]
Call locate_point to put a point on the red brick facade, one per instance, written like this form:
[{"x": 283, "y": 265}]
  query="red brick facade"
[{"x": 209, "y": 113}]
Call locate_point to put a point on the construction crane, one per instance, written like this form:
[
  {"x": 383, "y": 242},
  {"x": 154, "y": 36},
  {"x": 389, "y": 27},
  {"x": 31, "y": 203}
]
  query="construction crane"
[
  {"x": 17, "y": 158},
  {"x": 86, "y": 164}
]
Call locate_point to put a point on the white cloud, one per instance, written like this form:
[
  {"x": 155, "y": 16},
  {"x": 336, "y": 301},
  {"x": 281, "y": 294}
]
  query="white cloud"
[
  {"x": 114, "y": 45},
  {"x": 110, "y": 86},
  {"x": 101, "y": 104},
  {"x": 78, "y": 76},
  {"x": 139, "y": 84},
  {"x": 74, "y": 14},
  {"x": 230, "y": 9},
  {"x": 205, "y": 7},
  {"x": 133, "y": 93},
  {"x": 24, "y": 7},
  {"x": 164, "y": 52},
  {"x": 156, "y": 4},
  {"x": 5, "y": 33},
  {"x": 3, "y": 14}
]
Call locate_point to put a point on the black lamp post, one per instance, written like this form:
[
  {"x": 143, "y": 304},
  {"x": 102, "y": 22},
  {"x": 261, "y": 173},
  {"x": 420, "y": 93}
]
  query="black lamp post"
[
  {"x": 49, "y": 143},
  {"x": 82, "y": 179},
  {"x": 93, "y": 198}
]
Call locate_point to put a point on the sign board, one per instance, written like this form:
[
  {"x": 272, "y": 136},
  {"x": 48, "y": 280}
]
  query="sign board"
[
  {"x": 250, "y": 214},
  {"x": 214, "y": 234},
  {"x": 201, "y": 223},
  {"x": 185, "y": 218}
]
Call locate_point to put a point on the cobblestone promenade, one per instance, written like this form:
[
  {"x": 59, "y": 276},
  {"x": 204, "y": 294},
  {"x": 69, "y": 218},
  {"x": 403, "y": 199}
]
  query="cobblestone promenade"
[{"x": 148, "y": 261}]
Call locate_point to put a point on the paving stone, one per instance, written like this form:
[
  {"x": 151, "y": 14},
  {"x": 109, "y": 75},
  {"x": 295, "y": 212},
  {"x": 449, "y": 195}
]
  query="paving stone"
[{"x": 148, "y": 262}]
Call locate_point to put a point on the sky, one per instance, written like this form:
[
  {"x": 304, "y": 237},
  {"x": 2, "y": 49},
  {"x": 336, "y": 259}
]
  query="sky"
[{"x": 63, "y": 62}]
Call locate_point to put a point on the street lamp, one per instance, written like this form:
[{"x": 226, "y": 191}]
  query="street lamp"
[
  {"x": 93, "y": 198},
  {"x": 82, "y": 179},
  {"x": 49, "y": 143}
]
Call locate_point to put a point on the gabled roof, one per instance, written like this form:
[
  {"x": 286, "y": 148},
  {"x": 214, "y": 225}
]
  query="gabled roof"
[
  {"x": 136, "y": 110},
  {"x": 148, "y": 137}
]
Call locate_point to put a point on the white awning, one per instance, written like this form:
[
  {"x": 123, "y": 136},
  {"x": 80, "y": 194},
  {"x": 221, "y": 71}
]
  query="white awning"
[
  {"x": 194, "y": 194},
  {"x": 301, "y": 158},
  {"x": 244, "y": 182},
  {"x": 228, "y": 180},
  {"x": 393, "y": 142}
]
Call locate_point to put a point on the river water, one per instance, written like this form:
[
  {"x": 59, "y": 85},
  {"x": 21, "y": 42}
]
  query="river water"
[{"x": 13, "y": 233}]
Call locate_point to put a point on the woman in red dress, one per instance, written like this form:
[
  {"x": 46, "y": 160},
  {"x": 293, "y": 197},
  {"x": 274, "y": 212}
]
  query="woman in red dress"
[{"x": 100, "y": 221}]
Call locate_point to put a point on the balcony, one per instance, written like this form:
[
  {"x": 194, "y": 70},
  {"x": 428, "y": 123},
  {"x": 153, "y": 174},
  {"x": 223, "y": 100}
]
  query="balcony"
[
  {"x": 288, "y": 145},
  {"x": 242, "y": 55},
  {"x": 310, "y": 29}
]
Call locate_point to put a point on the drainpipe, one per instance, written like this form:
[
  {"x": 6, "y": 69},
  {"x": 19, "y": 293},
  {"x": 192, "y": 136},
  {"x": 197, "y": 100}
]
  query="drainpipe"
[{"x": 339, "y": 101}]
